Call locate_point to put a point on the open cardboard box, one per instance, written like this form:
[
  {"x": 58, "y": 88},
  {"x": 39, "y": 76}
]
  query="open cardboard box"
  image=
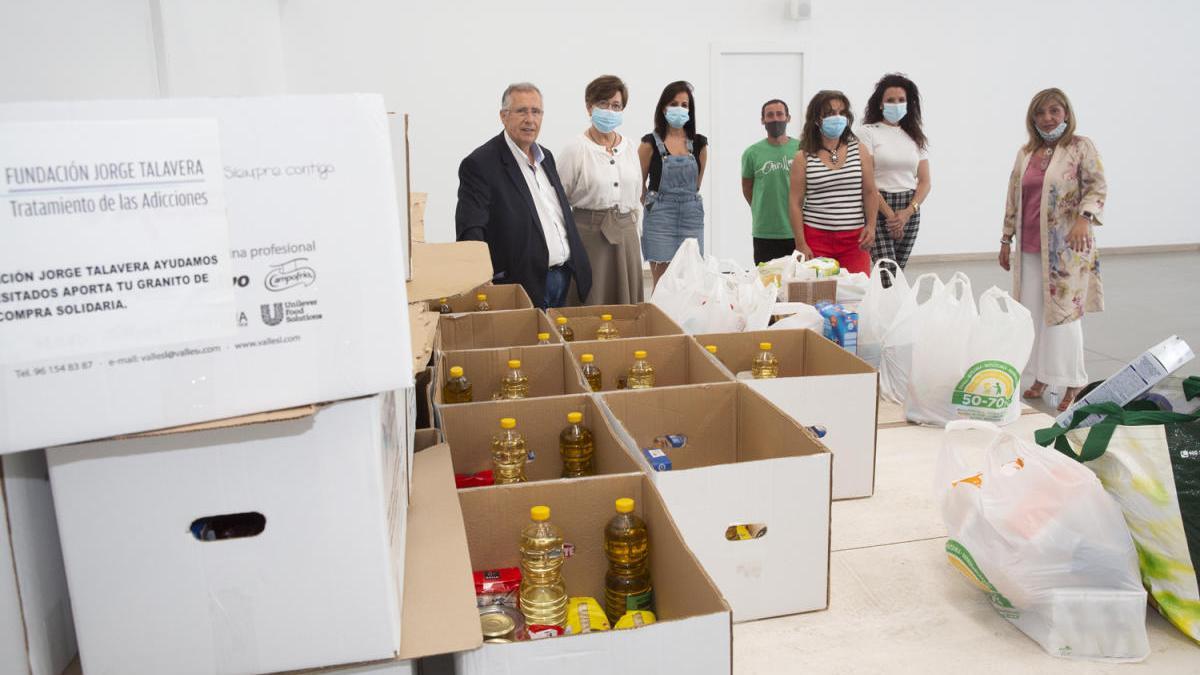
[
  {"x": 37, "y": 635},
  {"x": 299, "y": 563},
  {"x": 677, "y": 360},
  {"x": 469, "y": 430},
  {"x": 548, "y": 368},
  {"x": 747, "y": 463},
  {"x": 641, "y": 320},
  {"x": 819, "y": 385},
  {"x": 692, "y": 634},
  {"x": 499, "y": 297},
  {"x": 812, "y": 291},
  {"x": 493, "y": 330}
]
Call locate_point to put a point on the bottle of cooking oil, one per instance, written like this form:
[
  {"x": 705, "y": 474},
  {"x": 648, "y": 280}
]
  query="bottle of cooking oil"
[
  {"x": 567, "y": 333},
  {"x": 508, "y": 453},
  {"x": 458, "y": 388},
  {"x": 606, "y": 330},
  {"x": 444, "y": 306},
  {"x": 641, "y": 373},
  {"x": 575, "y": 444},
  {"x": 543, "y": 338},
  {"x": 627, "y": 583},
  {"x": 515, "y": 383},
  {"x": 765, "y": 365},
  {"x": 543, "y": 594},
  {"x": 481, "y": 303},
  {"x": 591, "y": 371},
  {"x": 711, "y": 349}
]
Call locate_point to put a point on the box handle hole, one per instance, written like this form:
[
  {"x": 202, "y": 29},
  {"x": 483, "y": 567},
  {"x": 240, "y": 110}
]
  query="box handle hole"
[
  {"x": 228, "y": 526},
  {"x": 746, "y": 531}
]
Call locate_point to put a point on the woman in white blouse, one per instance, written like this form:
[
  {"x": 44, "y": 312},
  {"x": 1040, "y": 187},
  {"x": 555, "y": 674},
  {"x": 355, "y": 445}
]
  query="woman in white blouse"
[
  {"x": 602, "y": 177},
  {"x": 892, "y": 134}
]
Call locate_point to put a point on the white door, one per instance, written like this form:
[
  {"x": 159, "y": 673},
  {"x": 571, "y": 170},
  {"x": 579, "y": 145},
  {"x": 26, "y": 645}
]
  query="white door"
[{"x": 745, "y": 77}]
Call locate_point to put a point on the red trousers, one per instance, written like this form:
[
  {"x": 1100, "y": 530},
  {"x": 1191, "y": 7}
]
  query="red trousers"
[{"x": 841, "y": 245}]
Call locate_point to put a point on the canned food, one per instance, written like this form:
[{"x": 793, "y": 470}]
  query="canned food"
[{"x": 496, "y": 623}]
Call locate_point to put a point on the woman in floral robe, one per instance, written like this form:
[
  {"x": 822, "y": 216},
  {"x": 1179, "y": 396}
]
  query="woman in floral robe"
[{"x": 1055, "y": 198}]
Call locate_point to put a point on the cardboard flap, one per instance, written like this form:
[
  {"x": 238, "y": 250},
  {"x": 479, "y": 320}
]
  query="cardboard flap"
[
  {"x": 439, "y": 613},
  {"x": 444, "y": 270},
  {"x": 239, "y": 421},
  {"x": 422, "y": 326}
]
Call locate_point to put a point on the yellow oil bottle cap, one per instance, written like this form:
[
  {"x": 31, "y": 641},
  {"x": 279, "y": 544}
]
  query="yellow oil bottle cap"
[
  {"x": 624, "y": 505},
  {"x": 574, "y": 417},
  {"x": 514, "y": 363},
  {"x": 543, "y": 336},
  {"x": 587, "y": 358},
  {"x": 540, "y": 513},
  {"x": 712, "y": 349},
  {"x": 481, "y": 296},
  {"x": 639, "y": 354},
  {"x": 606, "y": 317},
  {"x": 765, "y": 346},
  {"x": 508, "y": 423},
  {"x": 562, "y": 320},
  {"x": 443, "y": 300},
  {"x": 456, "y": 371}
]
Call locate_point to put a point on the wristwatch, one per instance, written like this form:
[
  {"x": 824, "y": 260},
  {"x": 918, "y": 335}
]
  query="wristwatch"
[
  {"x": 916, "y": 207},
  {"x": 1091, "y": 217},
  {"x": 1008, "y": 241}
]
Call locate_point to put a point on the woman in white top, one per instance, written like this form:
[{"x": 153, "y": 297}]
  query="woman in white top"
[
  {"x": 602, "y": 177},
  {"x": 892, "y": 133}
]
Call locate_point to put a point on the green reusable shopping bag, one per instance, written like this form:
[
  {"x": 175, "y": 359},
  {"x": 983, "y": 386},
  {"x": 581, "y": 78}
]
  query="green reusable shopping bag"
[{"x": 1149, "y": 461}]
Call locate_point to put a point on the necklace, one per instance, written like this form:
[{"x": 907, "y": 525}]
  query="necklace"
[
  {"x": 595, "y": 136},
  {"x": 833, "y": 154},
  {"x": 1049, "y": 152}
]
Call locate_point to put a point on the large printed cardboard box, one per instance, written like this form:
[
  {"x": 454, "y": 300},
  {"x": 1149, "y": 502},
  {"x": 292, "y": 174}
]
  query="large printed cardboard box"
[
  {"x": 254, "y": 548},
  {"x": 641, "y": 320},
  {"x": 499, "y": 297},
  {"x": 677, "y": 360},
  {"x": 746, "y": 463},
  {"x": 819, "y": 385},
  {"x": 548, "y": 368},
  {"x": 692, "y": 634},
  {"x": 37, "y": 635},
  {"x": 492, "y": 330},
  {"x": 469, "y": 429},
  {"x": 182, "y": 260}
]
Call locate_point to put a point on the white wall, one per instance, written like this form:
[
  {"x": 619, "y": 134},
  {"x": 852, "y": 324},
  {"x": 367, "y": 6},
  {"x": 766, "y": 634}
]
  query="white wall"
[{"x": 1130, "y": 68}]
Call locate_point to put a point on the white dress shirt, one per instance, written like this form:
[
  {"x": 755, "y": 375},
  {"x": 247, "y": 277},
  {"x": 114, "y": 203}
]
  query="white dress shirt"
[
  {"x": 595, "y": 180},
  {"x": 545, "y": 200}
]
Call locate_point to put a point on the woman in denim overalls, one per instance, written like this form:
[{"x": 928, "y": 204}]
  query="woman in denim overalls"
[{"x": 673, "y": 159}]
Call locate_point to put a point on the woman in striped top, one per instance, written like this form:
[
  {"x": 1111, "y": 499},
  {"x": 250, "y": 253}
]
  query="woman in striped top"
[{"x": 833, "y": 203}]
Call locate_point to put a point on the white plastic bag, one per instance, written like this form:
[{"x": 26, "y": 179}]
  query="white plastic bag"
[
  {"x": 895, "y": 358},
  {"x": 806, "y": 316},
  {"x": 851, "y": 286},
  {"x": 878, "y": 309},
  {"x": 711, "y": 295},
  {"x": 967, "y": 363},
  {"x": 1036, "y": 531},
  {"x": 681, "y": 290}
]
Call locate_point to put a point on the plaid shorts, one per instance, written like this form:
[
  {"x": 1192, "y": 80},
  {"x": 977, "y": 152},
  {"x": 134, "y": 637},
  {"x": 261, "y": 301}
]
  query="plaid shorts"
[{"x": 885, "y": 246}]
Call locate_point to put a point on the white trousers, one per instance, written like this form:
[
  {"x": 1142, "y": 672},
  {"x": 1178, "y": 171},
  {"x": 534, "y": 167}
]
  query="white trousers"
[{"x": 1057, "y": 356}]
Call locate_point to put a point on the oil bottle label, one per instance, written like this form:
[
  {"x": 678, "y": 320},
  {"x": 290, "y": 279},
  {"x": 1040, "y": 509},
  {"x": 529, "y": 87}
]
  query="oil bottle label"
[{"x": 639, "y": 601}]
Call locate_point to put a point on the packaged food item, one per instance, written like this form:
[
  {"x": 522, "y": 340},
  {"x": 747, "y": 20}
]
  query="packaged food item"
[
  {"x": 585, "y": 615},
  {"x": 481, "y": 303},
  {"x": 591, "y": 372},
  {"x": 659, "y": 460},
  {"x": 496, "y": 624},
  {"x": 543, "y": 595},
  {"x": 515, "y": 383},
  {"x": 477, "y": 479},
  {"x": 822, "y": 267},
  {"x": 669, "y": 441},
  {"x": 577, "y": 448},
  {"x": 627, "y": 544},
  {"x": 458, "y": 388},
  {"x": 840, "y": 325},
  {"x": 766, "y": 364},
  {"x": 497, "y": 594},
  {"x": 508, "y": 453},
  {"x": 567, "y": 333},
  {"x": 444, "y": 306},
  {"x": 635, "y": 619},
  {"x": 606, "y": 330},
  {"x": 641, "y": 373}
]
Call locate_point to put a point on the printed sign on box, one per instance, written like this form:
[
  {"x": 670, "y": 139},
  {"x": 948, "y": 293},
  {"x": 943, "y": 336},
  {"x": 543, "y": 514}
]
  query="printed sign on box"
[{"x": 310, "y": 302}]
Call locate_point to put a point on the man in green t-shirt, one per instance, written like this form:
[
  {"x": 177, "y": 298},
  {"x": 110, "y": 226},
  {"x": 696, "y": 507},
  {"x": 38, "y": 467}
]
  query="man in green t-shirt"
[{"x": 766, "y": 177}]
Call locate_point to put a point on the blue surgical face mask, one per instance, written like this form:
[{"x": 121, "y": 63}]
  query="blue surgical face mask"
[
  {"x": 894, "y": 112},
  {"x": 833, "y": 126},
  {"x": 605, "y": 120},
  {"x": 1054, "y": 134},
  {"x": 677, "y": 116}
]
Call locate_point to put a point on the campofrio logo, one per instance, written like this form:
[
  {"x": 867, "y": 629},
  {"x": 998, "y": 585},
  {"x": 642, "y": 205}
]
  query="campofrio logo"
[
  {"x": 272, "y": 315},
  {"x": 986, "y": 391},
  {"x": 290, "y": 274}
]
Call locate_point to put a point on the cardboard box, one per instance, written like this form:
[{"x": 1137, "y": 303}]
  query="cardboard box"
[
  {"x": 641, "y": 320},
  {"x": 37, "y": 634},
  {"x": 548, "y": 368},
  {"x": 499, "y": 296},
  {"x": 310, "y": 578},
  {"x": 469, "y": 429},
  {"x": 1135, "y": 379},
  {"x": 313, "y": 274},
  {"x": 692, "y": 634},
  {"x": 677, "y": 360},
  {"x": 426, "y": 438},
  {"x": 493, "y": 330},
  {"x": 812, "y": 291},
  {"x": 819, "y": 385},
  {"x": 745, "y": 463}
]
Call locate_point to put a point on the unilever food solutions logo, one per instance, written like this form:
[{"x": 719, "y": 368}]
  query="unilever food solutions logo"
[
  {"x": 986, "y": 391},
  {"x": 290, "y": 274}
]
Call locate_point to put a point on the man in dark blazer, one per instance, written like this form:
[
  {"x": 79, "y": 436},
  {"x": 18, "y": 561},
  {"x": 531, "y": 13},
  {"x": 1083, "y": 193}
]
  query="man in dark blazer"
[{"x": 510, "y": 195}]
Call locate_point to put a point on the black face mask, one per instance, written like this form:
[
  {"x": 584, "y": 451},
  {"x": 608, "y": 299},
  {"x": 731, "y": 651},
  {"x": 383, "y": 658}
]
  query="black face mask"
[{"x": 776, "y": 129}]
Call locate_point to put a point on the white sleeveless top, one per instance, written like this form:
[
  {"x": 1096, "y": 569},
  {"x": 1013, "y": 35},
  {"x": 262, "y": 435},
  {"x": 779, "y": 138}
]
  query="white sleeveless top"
[{"x": 833, "y": 200}]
